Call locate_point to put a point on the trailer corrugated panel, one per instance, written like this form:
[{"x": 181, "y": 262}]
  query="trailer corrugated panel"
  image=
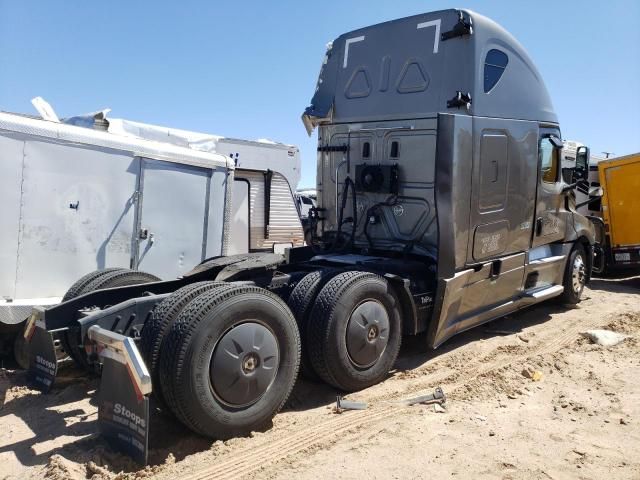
[{"x": 284, "y": 223}]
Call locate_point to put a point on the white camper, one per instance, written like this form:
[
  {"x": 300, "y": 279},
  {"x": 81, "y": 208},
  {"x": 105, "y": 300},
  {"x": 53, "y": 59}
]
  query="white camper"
[{"x": 75, "y": 199}]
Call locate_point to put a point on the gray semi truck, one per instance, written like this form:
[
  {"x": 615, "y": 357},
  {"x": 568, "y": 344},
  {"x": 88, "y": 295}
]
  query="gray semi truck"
[{"x": 441, "y": 206}]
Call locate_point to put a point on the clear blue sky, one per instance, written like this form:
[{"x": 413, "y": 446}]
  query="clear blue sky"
[{"x": 248, "y": 69}]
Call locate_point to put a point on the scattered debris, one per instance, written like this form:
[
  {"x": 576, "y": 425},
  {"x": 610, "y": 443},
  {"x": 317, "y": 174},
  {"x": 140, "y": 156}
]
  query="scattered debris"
[
  {"x": 343, "y": 405},
  {"x": 529, "y": 372},
  {"x": 437, "y": 396},
  {"x": 438, "y": 408},
  {"x": 606, "y": 338},
  {"x": 482, "y": 418}
]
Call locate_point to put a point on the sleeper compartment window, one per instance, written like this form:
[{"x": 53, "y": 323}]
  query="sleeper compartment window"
[{"x": 494, "y": 66}]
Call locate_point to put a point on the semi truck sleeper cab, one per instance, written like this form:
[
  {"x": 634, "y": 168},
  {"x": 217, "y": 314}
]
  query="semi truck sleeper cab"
[{"x": 441, "y": 206}]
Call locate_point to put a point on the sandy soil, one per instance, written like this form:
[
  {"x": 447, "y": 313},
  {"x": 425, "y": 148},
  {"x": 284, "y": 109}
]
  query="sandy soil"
[{"x": 579, "y": 420}]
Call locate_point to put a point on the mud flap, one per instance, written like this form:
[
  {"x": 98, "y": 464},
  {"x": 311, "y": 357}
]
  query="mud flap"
[
  {"x": 123, "y": 402},
  {"x": 43, "y": 364}
]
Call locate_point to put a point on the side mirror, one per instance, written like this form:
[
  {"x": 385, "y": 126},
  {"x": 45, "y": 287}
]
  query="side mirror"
[
  {"x": 596, "y": 192},
  {"x": 581, "y": 171}
]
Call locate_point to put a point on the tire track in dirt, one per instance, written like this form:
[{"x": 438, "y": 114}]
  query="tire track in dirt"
[{"x": 252, "y": 459}]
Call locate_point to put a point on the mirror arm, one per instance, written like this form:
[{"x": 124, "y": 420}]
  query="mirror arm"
[
  {"x": 587, "y": 202},
  {"x": 571, "y": 186}
]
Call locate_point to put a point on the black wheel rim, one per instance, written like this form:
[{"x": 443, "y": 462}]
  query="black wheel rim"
[
  {"x": 367, "y": 333},
  {"x": 244, "y": 364}
]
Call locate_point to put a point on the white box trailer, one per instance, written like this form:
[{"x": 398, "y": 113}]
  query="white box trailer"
[
  {"x": 75, "y": 199},
  {"x": 260, "y": 154}
]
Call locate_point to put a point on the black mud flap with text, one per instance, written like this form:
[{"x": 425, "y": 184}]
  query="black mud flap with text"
[
  {"x": 43, "y": 364},
  {"x": 123, "y": 402},
  {"x": 123, "y": 414}
]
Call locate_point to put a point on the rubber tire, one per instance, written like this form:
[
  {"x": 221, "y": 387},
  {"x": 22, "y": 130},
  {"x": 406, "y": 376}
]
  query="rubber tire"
[
  {"x": 569, "y": 297},
  {"x": 20, "y": 350},
  {"x": 301, "y": 302},
  {"x": 77, "y": 289},
  {"x": 326, "y": 333},
  {"x": 185, "y": 360},
  {"x": 121, "y": 278},
  {"x": 157, "y": 326},
  {"x": 103, "y": 279}
]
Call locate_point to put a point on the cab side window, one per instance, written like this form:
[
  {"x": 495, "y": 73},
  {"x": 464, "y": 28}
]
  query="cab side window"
[{"x": 549, "y": 161}]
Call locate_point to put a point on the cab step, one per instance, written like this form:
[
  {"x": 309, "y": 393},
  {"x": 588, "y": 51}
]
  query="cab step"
[{"x": 539, "y": 294}]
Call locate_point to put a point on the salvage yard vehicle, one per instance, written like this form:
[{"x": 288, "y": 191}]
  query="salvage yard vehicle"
[
  {"x": 441, "y": 206},
  {"x": 104, "y": 196}
]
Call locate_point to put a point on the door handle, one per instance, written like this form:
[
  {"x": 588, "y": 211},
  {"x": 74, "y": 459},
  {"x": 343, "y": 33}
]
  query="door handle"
[
  {"x": 539, "y": 226},
  {"x": 145, "y": 234}
]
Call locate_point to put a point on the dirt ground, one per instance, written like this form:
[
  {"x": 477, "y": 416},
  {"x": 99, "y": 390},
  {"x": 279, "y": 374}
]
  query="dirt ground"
[{"x": 581, "y": 419}]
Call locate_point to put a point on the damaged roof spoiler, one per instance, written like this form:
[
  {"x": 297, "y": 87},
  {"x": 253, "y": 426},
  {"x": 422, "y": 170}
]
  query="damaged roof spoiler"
[{"x": 321, "y": 108}]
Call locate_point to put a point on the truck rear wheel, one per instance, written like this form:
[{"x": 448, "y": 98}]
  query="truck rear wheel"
[
  {"x": 100, "y": 279},
  {"x": 230, "y": 360},
  {"x": 354, "y": 332},
  {"x": 300, "y": 302},
  {"x": 156, "y": 327},
  {"x": 575, "y": 276}
]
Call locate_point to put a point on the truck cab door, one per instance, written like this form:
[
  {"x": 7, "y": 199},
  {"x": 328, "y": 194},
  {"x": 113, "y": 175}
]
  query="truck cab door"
[{"x": 550, "y": 220}]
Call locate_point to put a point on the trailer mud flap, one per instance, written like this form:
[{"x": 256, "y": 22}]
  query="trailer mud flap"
[
  {"x": 43, "y": 364},
  {"x": 123, "y": 417},
  {"x": 123, "y": 402}
]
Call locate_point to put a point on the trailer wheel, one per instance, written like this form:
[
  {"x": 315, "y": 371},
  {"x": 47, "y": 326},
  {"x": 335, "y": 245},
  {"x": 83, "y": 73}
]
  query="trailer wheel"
[
  {"x": 575, "y": 276},
  {"x": 77, "y": 288},
  {"x": 300, "y": 302},
  {"x": 354, "y": 332},
  {"x": 120, "y": 278},
  {"x": 109, "y": 278},
  {"x": 230, "y": 360},
  {"x": 20, "y": 350},
  {"x": 156, "y": 327}
]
